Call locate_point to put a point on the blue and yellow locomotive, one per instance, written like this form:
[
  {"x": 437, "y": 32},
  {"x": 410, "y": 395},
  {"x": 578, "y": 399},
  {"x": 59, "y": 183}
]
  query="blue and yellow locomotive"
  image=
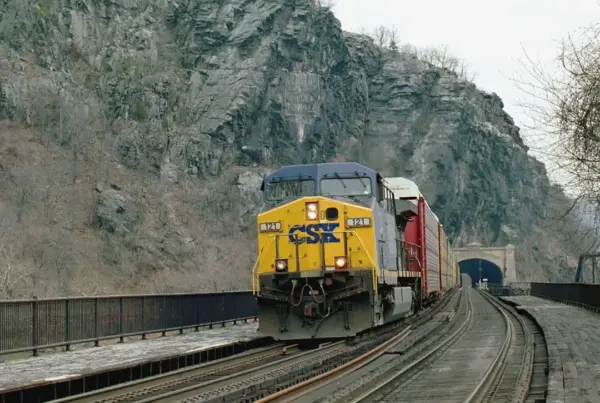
[{"x": 330, "y": 254}]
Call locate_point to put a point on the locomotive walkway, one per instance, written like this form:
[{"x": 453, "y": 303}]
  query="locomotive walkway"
[{"x": 573, "y": 338}]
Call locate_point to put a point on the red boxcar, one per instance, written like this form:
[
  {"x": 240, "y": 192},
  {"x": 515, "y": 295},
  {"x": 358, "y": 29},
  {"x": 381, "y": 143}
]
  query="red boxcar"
[{"x": 425, "y": 241}]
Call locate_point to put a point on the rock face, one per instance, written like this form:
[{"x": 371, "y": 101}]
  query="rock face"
[
  {"x": 209, "y": 88},
  {"x": 117, "y": 213}
]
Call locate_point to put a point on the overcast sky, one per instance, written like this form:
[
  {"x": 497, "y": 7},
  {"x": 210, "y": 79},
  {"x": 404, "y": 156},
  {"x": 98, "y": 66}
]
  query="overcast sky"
[{"x": 490, "y": 36}]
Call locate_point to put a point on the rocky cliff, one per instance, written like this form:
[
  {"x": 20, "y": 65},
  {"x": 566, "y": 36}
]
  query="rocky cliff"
[{"x": 140, "y": 130}]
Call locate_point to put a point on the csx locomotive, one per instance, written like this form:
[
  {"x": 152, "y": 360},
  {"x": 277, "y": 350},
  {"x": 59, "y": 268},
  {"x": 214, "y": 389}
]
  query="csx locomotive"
[{"x": 341, "y": 250}]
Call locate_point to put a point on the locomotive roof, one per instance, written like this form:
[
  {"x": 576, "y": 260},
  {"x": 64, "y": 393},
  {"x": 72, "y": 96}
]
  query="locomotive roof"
[{"x": 313, "y": 171}]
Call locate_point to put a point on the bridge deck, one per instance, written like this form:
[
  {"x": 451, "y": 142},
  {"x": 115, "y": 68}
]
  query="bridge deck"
[
  {"x": 573, "y": 339},
  {"x": 63, "y": 366}
]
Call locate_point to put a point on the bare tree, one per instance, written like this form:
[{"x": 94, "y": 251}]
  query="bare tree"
[
  {"x": 23, "y": 195},
  {"x": 381, "y": 35},
  {"x": 77, "y": 131},
  {"x": 90, "y": 282},
  {"x": 393, "y": 38},
  {"x": 566, "y": 112},
  {"x": 438, "y": 56},
  {"x": 23, "y": 180},
  {"x": 102, "y": 169},
  {"x": 441, "y": 57},
  {"x": 40, "y": 104},
  {"x": 364, "y": 31},
  {"x": 408, "y": 48},
  {"x": 50, "y": 199},
  {"x": 570, "y": 221},
  {"x": 11, "y": 271}
]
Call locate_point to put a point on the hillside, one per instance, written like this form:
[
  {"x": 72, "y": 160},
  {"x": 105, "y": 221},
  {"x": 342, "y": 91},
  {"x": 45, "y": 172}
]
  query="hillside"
[{"x": 135, "y": 134}]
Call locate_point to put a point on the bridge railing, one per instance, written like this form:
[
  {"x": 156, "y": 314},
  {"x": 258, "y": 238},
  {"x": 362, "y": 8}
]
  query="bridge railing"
[
  {"x": 512, "y": 289},
  {"x": 586, "y": 295},
  {"x": 31, "y": 325},
  {"x": 520, "y": 288}
]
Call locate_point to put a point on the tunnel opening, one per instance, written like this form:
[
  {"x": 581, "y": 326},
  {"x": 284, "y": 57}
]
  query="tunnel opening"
[{"x": 479, "y": 269}]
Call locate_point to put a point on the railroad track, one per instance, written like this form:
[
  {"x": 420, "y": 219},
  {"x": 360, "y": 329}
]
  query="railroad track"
[
  {"x": 150, "y": 387},
  {"x": 253, "y": 375},
  {"x": 534, "y": 362},
  {"x": 538, "y": 388},
  {"x": 487, "y": 355}
]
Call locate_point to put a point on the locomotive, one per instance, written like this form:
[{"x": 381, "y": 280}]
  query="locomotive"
[{"x": 342, "y": 249}]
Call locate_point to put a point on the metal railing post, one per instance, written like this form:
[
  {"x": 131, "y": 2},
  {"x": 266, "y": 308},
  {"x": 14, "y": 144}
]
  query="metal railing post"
[
  {"x": 197, "y": 328},
  {"x": 181, "y": 309},
  {"x": 67, "y": 325},
  {"x": 163, "y": 316},
  {"x": 143, "y": 317},
  {"x": 96, "y": 322},
  {"x": 210, "y": 325},
  {"x": 223, "y": 310},
  {"x": 34, "y": 327},
  {"x": 121, "y": 338}
]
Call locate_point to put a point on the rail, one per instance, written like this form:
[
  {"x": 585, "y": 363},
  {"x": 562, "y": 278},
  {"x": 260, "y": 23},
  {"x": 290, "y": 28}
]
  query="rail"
[
  {"x": 36, "y": 324},
  {"x": 494, "y": 370}
]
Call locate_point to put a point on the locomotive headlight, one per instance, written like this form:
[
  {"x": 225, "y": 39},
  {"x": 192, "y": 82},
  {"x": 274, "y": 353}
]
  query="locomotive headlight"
[
  {"x": 312, "y": 211},
  {"x": 340, "y": 262},
  {"x": 281, "y": 264}
]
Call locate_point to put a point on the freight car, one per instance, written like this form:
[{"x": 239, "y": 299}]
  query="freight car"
[{"x": 342, "y": 250}]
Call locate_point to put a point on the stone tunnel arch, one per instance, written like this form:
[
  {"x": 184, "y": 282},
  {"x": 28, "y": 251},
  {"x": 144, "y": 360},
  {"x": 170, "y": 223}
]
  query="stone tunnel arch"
[
  {"x": 479, "y": 269},
  {"x": 501, "y": 257}
]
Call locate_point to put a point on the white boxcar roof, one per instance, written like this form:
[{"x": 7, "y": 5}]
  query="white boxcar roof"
[{"x": 402, "y": 187}]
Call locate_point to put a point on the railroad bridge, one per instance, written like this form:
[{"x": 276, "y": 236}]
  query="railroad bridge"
[{"x": 497, "y": 264}]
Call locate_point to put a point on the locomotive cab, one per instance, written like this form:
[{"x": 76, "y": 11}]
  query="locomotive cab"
[{"x": 311, "y": 212}]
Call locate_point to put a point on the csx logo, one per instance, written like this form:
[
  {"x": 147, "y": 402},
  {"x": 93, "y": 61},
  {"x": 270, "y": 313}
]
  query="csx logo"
[{"x": 312, "y": 235}]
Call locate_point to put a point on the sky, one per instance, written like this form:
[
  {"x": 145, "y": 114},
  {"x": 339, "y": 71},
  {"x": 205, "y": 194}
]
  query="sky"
[{"x": 492, "y": 37}]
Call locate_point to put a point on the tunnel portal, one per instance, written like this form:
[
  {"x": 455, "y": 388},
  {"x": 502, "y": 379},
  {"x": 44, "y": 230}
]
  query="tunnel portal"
[{"x": 479, "y": 269}]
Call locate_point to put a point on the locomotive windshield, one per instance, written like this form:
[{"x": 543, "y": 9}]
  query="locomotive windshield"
[
  {"x": 284, "y": 189},
  {"x": 339, "y": 186}
]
